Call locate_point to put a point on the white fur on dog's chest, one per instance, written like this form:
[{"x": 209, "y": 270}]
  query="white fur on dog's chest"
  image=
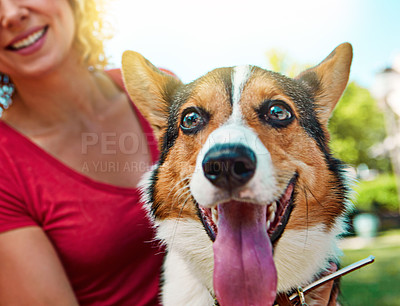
[{"x": 188, "y": 267}]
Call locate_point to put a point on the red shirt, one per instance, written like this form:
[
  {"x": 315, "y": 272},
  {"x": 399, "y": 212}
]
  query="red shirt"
[{"x": 100, "y": 231}]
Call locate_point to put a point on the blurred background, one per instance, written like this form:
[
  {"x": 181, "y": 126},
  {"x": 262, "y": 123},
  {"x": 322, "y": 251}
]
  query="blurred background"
[{"x": 193, "y": 37}]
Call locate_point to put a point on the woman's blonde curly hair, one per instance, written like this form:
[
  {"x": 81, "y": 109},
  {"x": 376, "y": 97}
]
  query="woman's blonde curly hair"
[{"x": 91, "y": 31}]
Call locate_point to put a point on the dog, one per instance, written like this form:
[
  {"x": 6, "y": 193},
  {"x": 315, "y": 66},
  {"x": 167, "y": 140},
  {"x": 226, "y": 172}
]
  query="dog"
[{"x": 246, "y": 195}]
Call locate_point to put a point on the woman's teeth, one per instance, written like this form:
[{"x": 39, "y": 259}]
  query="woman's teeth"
[{"x": 28, "y": 40}]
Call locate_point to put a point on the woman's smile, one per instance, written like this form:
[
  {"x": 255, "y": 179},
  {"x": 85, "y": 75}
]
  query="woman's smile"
[{"x": 28, "y": 42}]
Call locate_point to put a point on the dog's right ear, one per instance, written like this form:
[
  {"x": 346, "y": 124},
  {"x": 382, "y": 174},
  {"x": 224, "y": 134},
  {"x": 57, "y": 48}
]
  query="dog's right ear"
[
  {"x": 149, "y": 88},
  {"x": 328, "y": 80}
]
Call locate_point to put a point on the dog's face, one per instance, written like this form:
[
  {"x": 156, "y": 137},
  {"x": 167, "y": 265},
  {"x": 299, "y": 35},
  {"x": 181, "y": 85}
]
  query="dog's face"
[{"x": 245, "y": 164}]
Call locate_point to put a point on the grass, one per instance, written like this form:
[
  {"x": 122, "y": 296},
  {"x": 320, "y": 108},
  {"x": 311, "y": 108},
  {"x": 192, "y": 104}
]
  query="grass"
[{"x": 376, "y": 284}]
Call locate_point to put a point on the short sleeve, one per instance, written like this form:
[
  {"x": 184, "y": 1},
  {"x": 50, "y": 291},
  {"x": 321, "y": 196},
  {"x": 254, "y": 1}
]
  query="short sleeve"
[{"x": 14, "y": 212}]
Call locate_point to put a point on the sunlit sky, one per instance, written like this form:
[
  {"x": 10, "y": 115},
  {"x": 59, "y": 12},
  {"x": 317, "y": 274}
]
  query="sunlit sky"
[{"x": 193, "y": 37}]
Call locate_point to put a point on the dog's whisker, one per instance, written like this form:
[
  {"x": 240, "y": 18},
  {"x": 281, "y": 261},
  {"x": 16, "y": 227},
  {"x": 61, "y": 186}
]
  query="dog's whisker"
[
  {"x": 307, "y": 210},
  {"x": 178, "y": 219},
  {"x": 178, "y": 196},
  {"x": 182, "y": 181},
  {"x": 315, "y": 198},
  {"x": 178, "y": 193}
]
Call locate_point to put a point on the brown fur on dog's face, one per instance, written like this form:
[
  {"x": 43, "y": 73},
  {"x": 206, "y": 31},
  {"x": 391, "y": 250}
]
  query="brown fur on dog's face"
[{"x": 299, "y": 149}]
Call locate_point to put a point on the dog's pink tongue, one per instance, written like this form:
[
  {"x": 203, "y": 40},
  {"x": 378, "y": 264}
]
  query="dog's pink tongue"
[{"x": 244, "y": 270}]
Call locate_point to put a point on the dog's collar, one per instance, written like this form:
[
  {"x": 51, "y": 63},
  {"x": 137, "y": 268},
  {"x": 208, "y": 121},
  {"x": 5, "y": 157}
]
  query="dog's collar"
[{"x": 298, "y": 298}]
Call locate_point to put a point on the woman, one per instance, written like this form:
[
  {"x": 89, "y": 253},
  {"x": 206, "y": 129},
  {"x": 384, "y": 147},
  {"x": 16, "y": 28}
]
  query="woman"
[{"x": 72, "y": 151}]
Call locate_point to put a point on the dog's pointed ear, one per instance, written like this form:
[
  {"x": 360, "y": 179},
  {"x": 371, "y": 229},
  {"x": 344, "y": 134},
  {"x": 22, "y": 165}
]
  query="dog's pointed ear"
[
  {"x": 328, "y": 80},
  {"x": 149, "y": 88}
]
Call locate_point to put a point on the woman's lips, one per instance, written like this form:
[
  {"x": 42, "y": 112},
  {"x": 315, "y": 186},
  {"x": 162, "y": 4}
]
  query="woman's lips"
[{"x": 30, "y": 42}]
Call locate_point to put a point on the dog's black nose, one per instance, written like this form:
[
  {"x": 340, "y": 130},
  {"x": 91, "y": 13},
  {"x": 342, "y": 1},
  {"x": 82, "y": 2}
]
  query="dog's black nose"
[{"x": 229, "y": 166}]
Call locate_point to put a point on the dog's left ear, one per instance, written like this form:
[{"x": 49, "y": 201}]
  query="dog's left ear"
[
  {"x": 149, "y": 88},
  {"x": 328, "y": 80}
]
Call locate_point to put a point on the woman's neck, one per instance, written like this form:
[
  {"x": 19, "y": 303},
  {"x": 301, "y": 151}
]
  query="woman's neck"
[{"x": 67, "y": 94}]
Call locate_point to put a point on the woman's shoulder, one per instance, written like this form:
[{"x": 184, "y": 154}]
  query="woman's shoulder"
[
  {"x": 11, "y": 141},
  {"x": 15, "y": 155},
  {"x": 18, "y": 155},
  {"x": 116, "y": 75}
]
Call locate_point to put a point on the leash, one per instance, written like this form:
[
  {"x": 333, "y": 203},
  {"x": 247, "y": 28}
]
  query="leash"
[{"x": 298, "y": 298}]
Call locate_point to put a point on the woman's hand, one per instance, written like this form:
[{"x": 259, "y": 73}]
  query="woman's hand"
[{"x": 324, "y": 295}]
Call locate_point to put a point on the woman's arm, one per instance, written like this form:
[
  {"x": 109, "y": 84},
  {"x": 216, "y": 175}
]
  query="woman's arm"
[{"x": 30, "y": 270}]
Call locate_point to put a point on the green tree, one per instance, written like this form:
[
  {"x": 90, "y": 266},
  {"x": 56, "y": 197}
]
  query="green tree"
[
  {"x": 356, "y": 125},
  {"x": 280, "y": 62}
]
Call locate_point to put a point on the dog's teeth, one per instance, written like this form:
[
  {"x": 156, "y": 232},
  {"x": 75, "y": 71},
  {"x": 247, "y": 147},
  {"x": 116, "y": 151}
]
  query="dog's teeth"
[
  {"x": 268, "y": 224},
  {"x": 272, "y": 216},
  {"x": 275, "y": 205},
  {"x": 271, "y": 212},
  {"x": 214, "y": 214}
]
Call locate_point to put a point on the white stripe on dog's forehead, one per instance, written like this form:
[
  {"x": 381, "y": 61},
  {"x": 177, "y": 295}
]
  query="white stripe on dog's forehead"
[{"x": 240, "y": 76}]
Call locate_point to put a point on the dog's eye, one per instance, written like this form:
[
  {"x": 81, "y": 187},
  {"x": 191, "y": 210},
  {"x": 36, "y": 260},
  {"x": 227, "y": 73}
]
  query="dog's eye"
[
  {"x": 193, "y": 120},
  {"x": 275, "y": 112},
  {"x": 278, "y": 112}
]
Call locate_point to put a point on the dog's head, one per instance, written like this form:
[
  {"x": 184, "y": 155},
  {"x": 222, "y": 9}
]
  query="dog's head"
[{"x": 244, "y": 153}]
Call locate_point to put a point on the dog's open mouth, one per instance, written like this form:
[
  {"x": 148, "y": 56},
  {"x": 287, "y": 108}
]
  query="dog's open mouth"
[
  {"x": 242, "y": 235},
  {"x": 277, "y": 215}
]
